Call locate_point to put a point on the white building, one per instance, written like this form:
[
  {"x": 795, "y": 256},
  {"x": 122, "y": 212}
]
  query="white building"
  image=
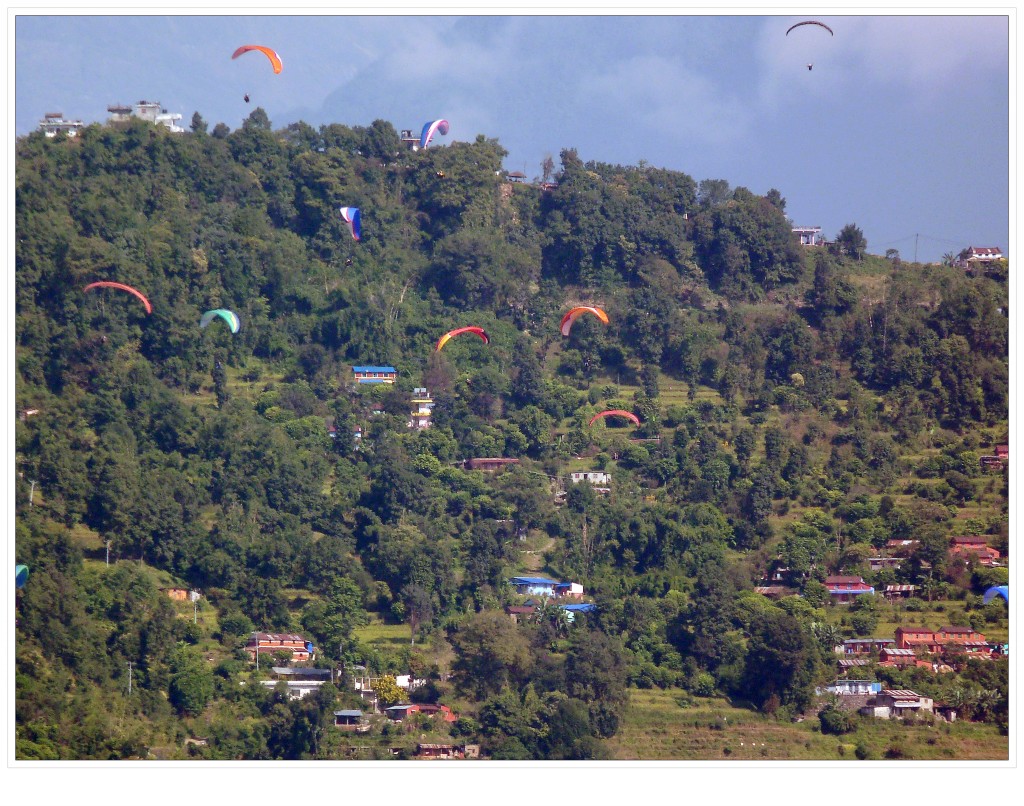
[
  {"x": 808, "y": 235},
  {"x": 598, "y": 479},
  {"x": 146, "y": 110},
  {"x": 54, "y": 122},
  {"x": 424, "y": 404}
]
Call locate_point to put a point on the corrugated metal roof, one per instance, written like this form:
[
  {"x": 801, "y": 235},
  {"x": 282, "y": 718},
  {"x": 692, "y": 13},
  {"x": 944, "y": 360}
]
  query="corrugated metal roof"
[
  {"x": 905, "y": 652},
  {"x": 356, "y": 714}
]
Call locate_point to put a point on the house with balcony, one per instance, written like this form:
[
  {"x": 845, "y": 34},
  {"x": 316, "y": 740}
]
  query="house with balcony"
[
  {"x": 977, "y": 259},
  {"x": 423, "y": 405},
  {"x": 897, "y": 704},
  {"x": 373, "y": 374},
  {"x": 847, "y": 588}
]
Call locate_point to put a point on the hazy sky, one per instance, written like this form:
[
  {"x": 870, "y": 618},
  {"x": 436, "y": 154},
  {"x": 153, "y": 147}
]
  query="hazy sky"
[{"x": 902, "y": 126}]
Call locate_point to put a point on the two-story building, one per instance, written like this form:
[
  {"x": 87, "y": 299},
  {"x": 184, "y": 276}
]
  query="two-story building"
[
  {"x": 299, "y": 682},
  {"x": 267, "y": 643},
  {"x": 809, "y": 236},
  {"x": 372, "y": 374},
  {"x": 53, "y": 123},
  {"x": 866, "y": 646},
  {"x": 976, "y": 259},
  {"x": 423, "y": 405},
  {"x": 847, "y": 588},
  {"x": 150, "y": 111}
]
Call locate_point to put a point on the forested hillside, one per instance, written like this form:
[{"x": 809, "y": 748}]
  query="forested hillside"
[{"x": 799, "y": 407}]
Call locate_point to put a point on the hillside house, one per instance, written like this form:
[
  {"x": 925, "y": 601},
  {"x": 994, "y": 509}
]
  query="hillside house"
[
  {"x": 852, "y": 687},
  {"x": 146, "y": 110},
  {"x": 866, "y": 646},
  {"x": 846, "y": 665},
  {"x": 520, "y": 612},
  {"x": 973, "y": 548},
  {"x": 897, "y": 704},
  {"x": 943, "y": 640},
  {"x": 977, "y": 258},
  {"x": 265, "y": 643},
  {"x": 882, "y": 563},
  {"x": 900, "y": 658},
  {"x": 899, "y": 591},
  {"x": 424, "y": 406},
  {"x": 487, "y": 464},
  {"x": 534, "y": 586},
  {"x": 398, "y": 713},
  {"x": 847, "y": 588},
  {"x": 913, "y": 638},
  {"x": 583, "y": 607},
  {"x": 370, "y": 374},
  {"x": 809, "y": 236},
  {"x": 901, "y": 548},
  {"x": 300, "y": 683},
  {"x": 571, "y": 590},
  {"x": 1003, "y": 452},
  {"x": 351, "y": 721},
  {"x": 53, "y": 123}
]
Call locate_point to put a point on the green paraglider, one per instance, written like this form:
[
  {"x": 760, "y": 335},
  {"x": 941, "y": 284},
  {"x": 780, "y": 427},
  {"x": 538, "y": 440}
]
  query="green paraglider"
[
  {"x": 224, "y": 314},
  {"x": 20, "y": 575}
]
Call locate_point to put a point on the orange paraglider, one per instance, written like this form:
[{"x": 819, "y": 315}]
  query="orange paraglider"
[
  {"x": 275, "y": 60},
  {"x": 576, "y": 313},
  {"x": 122, "y": 287},
  {"x": 618, "y": 413}
]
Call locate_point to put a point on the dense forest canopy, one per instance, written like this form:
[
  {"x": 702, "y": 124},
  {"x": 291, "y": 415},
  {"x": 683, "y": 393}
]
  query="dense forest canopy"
[{"x": 799, "y": 405}]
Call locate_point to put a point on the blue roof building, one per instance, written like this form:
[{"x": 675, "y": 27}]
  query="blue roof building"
[{"x": 370, "y": 374}]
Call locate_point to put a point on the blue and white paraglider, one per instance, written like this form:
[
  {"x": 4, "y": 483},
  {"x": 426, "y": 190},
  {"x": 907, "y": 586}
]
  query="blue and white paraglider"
[
  {"x": 430, "y": 129},
  {"x": 997, "y": 590}
]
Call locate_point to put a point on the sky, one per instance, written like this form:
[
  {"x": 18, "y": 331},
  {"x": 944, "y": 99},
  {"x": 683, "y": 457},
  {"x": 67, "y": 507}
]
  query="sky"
[{"x": 902, "y": 127}]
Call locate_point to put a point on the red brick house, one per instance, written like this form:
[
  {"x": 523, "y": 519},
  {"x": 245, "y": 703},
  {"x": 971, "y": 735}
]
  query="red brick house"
[
  {"x": 267, "y": 643},
  {"x": 847, "y": 588},
  {"x": 913, "y": 637},
  {"x": 973, "y": 548}
]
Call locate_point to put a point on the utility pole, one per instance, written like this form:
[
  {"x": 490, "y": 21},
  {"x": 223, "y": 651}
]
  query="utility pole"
[
  {"x": 915, "y": 247},
  {"x": 129, "y": 678},
  {"x": 32, "y": 491},
  {"x": 108, "y": 554}
]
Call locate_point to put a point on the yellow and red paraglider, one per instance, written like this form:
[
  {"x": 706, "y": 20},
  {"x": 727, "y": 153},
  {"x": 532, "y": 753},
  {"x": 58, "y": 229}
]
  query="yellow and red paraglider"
[
  {"x": 576, "y": 313},
  {"x": 479, "y": 331}
]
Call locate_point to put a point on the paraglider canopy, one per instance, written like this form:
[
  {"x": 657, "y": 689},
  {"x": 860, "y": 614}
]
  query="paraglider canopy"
[
  {"x": 275, "y": 60},
  {"x": 20, "y": 575},
  {"x": 479, "y": 331},
  {"x": 809, "y": 22},
  {"x": 576, "y": 313},
  {"x": 997, "y": 590},
  {"x": 226, "y": 315},
  {"x": 122, "y": 287},
  {"x": 617, "y": 413},
  {"x": 352, "y": 216},
  {"x": 430, "y": 129}
]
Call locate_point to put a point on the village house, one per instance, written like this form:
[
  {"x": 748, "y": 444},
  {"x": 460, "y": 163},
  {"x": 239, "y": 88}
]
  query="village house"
[
  {"x": 940, "y": 642},
  {"x": 572, "y": 609},
  {"x": 866, "y": 646},
  {"x": 298, "y": 682},
  {"x": 53, "y": 123},
  {"x": 897, "y": 704},
  {"x": 774, "y": 591},
  {"x": 900, "y": 658},
  {"x": 374, "y": 374},
  {"x": 899, "y": 591},
  {"x": 442, "y": 751},
  {"x": 487, "y": 464},
  {"x": 598, "y": 479},
  {"x": 973, "y": 548},
  {"x": 978, "y": 258},
  {"x": 851, "y": 687},
  {"x": 882, "y": 563},
  {"x": 264, "y": 643},
  {"x": 146, "y": 110},
  {"x": 534, "y": 586},
  {"x": 351, "y": 721},
  {"x": 424, "y": 403},
  {"x": 847, "y": 588},
  {"x": 398, "y": 713},
  {"x": 846, "y": 665},
  {"x": 520, "y": 612},
  {"x": 901, "y": 548},
  {"x": 809, "y": 236}
]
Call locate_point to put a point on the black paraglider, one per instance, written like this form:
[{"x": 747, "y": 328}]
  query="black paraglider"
[
  {"x": 247, "y": 97},
  {"x": 810, "y": 66}
]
